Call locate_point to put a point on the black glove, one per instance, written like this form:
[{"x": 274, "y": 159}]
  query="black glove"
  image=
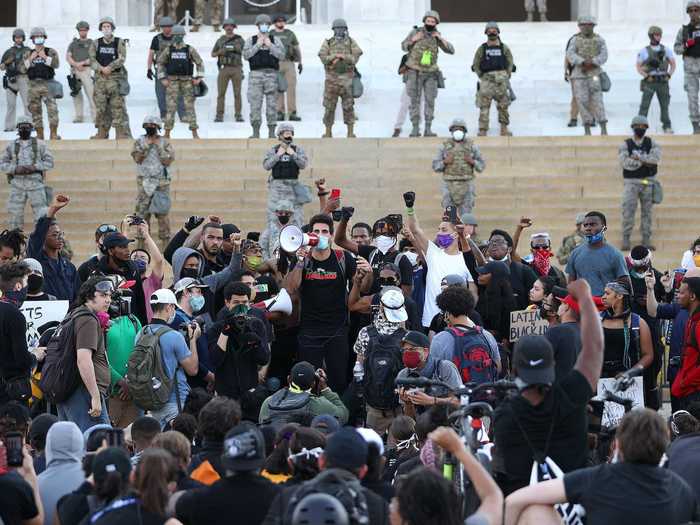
[
  {"x": 249, "y": 341},
  {"x": 193, "y": 222},
  {"x": 149, "y": 74},
  {"x": 347, "y": 212},
  {"x": 409, "y": 198},
  {"x": 300, "y": 68}
]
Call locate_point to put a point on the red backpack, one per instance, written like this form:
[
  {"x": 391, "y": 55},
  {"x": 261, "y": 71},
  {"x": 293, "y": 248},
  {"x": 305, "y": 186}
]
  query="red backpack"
[{"x": 472, "y": 356}]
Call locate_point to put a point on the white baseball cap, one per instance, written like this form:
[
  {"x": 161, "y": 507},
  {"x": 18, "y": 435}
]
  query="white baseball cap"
[
  {"x": 163, "y": 296},
  {"x": 393, "y": 302}
]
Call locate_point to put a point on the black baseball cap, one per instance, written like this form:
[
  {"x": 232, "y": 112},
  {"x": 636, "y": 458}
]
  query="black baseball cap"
[
  {"x": 111, "y": 459},
  {"x": 346, "y": 449},
  {"x": 303, "y": 375},
  {"x": 495, "y": 268},
  {"x": 115, "y": 239},
  {"x": 229, "y": 229},
  {"x": 417, "y": 339},
  {"x": 533, "y": 360}
]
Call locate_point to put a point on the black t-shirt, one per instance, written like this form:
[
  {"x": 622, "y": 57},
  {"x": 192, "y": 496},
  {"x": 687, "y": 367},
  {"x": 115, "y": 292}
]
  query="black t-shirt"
[
  {"x": 631, "y": 493},
  {"x": 324, "y": 285},
  {"x": 568, "y": 446},
  {"x": 684, "y": 459},
  {"x": 155, "y": 43},
  {"x": 566, "y": 342},
  {"x": 16, "y": 499},
  {"x": 130, "y": 512},
  {"x": 380, "y": 258},
  {"x": 438, "y": 324}
]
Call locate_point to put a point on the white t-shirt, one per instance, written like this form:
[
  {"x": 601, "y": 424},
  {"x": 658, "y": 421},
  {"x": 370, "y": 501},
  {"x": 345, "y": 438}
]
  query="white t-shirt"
[{"x": 440, "y": 264}]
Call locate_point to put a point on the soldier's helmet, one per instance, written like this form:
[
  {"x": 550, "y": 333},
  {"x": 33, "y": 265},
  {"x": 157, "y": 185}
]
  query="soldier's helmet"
[
  {"x": 179, "y": 30},
  {"x": 655, "y": 30},
  {"x": 281, "y": 128},
  {"x": 166, "y": 21},
  {"x": 19, "y": 33},
  {"x": 284, "y": 205},
  {"x": 640, "y": 120},
  {"x": 432, "y": 13},
  {"x": 458, "y": 123},
  {"x": 229, "y": 22},
  {"x": 280, "y": 17},
  {"x": 580, "y": 217},
  {"x": 24, "y": 120},
  {"x": 262, "y": 19},
  {"x": 491, "y": 25},
  {"x": 106, "y": 20},
  {"x": 586, "y": 19},
  {"x": 82, "y": 25},
  {"x": 692, "y": 3},
  {"x": 152, "y": 120},
  {"x": 339, "y": 22},
  {"x": 37, "y": 31}
]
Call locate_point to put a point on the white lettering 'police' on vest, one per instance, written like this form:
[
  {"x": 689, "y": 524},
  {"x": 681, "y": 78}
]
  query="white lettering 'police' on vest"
[
  {"x": 107, "y": 51},
  {"x": 39, "y": 60},
  {"x": 493, "y": 52},
  {"x": 179, "y": 55}
]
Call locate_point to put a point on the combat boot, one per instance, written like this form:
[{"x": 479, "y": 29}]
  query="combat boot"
[
  {"x": 329, "y": 132},
  {"x": 530, "y": 17},
  {"x": 239, "y": 118},
  {"x": 256, "y": 130},
  {"x": 215, "y": 28},
  {"x": 219, "y": 118},
  {"x": 696, "y": 128},
  {"x": 195, "y": 135},
  {"x": 543, "y": 16},
  {"x": 668, "y": 130},
  {"x": 271, "y": 131},
  {"x": 167, "y": 133},
  {"x": 123, "y": 133},
  {"x": 195, "y": 28},
  {"x": 280, "y": 116},
  {"x": 505, "y": 132},
  {"x": 625, "y": 243},
  {"x": 293, "y": 116},
  {"x": 572, "y": 123},
  {"x": 427, "y": 132},
  {"x": 40, "y": 133},
  {"x": 102, "y": 133},
  {"x": 415, "y": 131},
  {"x": 603, "y": 128},
  {"x": 586, "y": 129},
  {"x": 483, "y": 132},
  {"x": 397, "y": 132},
  {"x": 54, "y": 133},
  {"x": 351, "y": 131}
]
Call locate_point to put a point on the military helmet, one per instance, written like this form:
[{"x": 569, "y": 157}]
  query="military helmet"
[
  {"x": 37, "y": 31},
  {"x": 201, "y": 89},
  {"x": 179, "y": 30},
  {"x": 692, "y": 3},
  {"x": 458, "y": 123},
  {"x": 262, "y": 19},
  {"x": 106, "y": 20},
  {"x": 492, "y": 25},
  {"x": 640, "y": 120},
  {"x": 25, "y": 120},
  {"x": 19, "y": 33},
  {"x": 586, "y": 19},
  {"x": 82, "y": 25},
  {"x": 284, "y": 205},
  {"x": 432, "y": 13},
  {"x": 339, "y": 22},
  {"x": 281, "y": 128},
  {"x": 655, "y": 30},
  {"x": 229, "y": 22},
  {"x": 154, "y": 120},
  {"x": 166, "y": 21}
]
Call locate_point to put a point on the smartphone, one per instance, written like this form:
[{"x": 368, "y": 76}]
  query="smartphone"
[
  {"x": 452, "y": 214},
  {"x": 14, "y": 442},
  {"x": 397, "y": 219},
  {"x": 335, "y": 193},
  {"x": 115, "y": 437}
]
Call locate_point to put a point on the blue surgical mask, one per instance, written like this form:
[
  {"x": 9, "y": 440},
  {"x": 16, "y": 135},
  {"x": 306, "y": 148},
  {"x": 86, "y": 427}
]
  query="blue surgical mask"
[
  {"x": 264, "y": 28},
  {"x": 323, "y": 243},
  {"x": 141, "y": 265},
  {"x": 598, "y": 237},
  {"x": 197, "y": 302}
]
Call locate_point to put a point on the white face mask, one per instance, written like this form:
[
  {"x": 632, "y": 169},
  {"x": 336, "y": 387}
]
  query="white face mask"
[
  {"x": 412, "y": 257},
  {"x": 458, "y": 135},
  {"x": 39, "y": 41},
  {"x": 384, "y": 243},
  {"x": 107, "y": 30},
  {"x": 171, "y": 318},
  {"x": 264, "y": 28}
]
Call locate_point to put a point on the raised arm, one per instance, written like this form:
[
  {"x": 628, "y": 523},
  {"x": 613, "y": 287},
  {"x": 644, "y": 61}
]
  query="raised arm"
[
  {"x": 157, "y": 259},
  {"x": 420, "y": 240},
  {"x": 590, "y": 360},
  {"x": 341, "y": 232}
]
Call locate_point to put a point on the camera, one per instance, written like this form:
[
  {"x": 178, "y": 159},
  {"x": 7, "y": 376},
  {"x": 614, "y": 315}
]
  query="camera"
[
  {"x": 120, "y": 305},
  {"x": 135, "y": 220},
  {"x": 183, "y": 329}
]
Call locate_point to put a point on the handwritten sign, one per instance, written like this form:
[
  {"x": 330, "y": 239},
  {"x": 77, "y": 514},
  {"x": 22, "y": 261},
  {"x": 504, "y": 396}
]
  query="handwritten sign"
[
  {"x": 613, "y": 412},
  {"x": 526, "y": 322},
  {"x": 38, "y": 313}
]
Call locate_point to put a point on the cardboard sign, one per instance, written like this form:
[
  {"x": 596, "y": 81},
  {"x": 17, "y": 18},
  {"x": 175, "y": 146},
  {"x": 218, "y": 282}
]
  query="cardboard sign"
[
  {"x": 38, "y": 313},
  {"x": 527, "y": 322},
  {"x": 612, "y": 412}
]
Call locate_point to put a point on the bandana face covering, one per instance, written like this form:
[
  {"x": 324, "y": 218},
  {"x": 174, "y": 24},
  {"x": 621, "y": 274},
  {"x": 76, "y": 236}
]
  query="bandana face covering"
[{"x": 541, "y": 262}]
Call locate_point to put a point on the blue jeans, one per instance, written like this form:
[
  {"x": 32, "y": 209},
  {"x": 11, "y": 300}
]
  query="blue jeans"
[
  {"x": 166, "y": 414},
  {"x": 76, "y": 409}
]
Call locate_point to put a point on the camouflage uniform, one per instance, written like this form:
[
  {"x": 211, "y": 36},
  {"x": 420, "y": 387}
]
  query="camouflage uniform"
[
  {"x": 586, "y": 84},
  {"x": 270, "y": 238},
  {"x": 292, "y": 54},
  {"x": 568, "y": 245},
  {"x": 12, "y": 59},
  {"x": 179, "y": 84},
  {"x": 79, "y": 51},
  {"x": 691, "y": 69},
  {"x": 30, "y": 187},
  {"x": 163, "y": 8},
  {"x": 109, "y": 103},
  {"x": 229, "y": 54},
  {"x": 38, "y": 87},
  {"x": 262, "y": 82},
  {"x": 216, "y": 7},
  {"x": 541, "y": 7},
  {"x": 494, "y": 84}
]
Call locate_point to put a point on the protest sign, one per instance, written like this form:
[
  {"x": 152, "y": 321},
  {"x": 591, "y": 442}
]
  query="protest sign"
[
  {"x": 613, "y": 412},
  {"x": 526, "y": 322},
  {"x": 38, "y": 313}
]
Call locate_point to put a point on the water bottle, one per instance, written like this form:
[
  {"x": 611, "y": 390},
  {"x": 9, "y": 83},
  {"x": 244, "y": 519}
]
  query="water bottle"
[
  {"x": 358, "y": 372},
  {"x": 155, "y": 382}
]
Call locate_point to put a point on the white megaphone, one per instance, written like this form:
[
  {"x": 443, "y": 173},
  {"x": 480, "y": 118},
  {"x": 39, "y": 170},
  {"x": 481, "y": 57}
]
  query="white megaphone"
[
  {"x": 292, "y": 238},
  {"x": 280, "y": 303}
]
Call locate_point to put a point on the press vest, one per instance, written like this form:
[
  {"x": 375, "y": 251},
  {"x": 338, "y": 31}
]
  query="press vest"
[
  {"x": 106, "y": 53},
  {"x": 459, "y": 169},
  {"x": 645, "y": 171},
  {"x": 263, "y": 59},
  {"x": 690, "y": 31},
  {"x": 285, "y": 168},
  {"x": 40, "y": 68},
  {"x": 423, "y": 55},
  {"x": 179, "y": 63},
  {"x": 493, "y": 59}
]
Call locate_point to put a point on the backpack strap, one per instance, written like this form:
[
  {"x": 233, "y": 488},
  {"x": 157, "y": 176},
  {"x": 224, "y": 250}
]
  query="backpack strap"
[
  {"x": 630, "y": 146},
  {"x": 160, "y": 332}
]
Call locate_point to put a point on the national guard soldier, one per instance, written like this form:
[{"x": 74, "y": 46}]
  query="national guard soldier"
[
  {"x": 176, "y": 71},
  {"x": 639, "y": 158},
  {"x": 587, "y": 52},
  {"x": 423, "y": 76},
  {"x": 530, "y": 10},
  {"x": 15, "y": 80},
  {"x": 688, "y": 44},
  {"x": 216, "y": 7},
  {"x": 571, "y": 242},
  {"x": 78, "y": 56},
  {"x": 161, "y": 10},
  {"x": 25, "y": 161},
  {"x": 160, "y": 42},
  {"x": 41, "y": 64},
  {"x": 228, "y": 51},
  {"x": 656, "y": 64},
  {"x": 107, "y": 58},
  {"x": 493, "y": 64},
  {"x": 270, "y": 238},
  {"x": 339, "y": 55},
  {"x": 458, "y": 159},
  {"x": 263, "y": 52},
  {"x": 285, "y": 160},
  {"x": 153, "y": 155},
  {"x": 292, "y": 54}
]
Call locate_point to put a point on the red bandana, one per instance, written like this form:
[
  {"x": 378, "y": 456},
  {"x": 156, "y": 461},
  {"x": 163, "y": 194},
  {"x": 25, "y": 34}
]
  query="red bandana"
[{"x": 541, "y": 262}]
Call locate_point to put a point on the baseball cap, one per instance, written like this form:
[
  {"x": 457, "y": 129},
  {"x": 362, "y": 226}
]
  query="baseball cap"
[
  {"x": 451, "y": 279},
  {"x": 371, "y": 436},
  {"x": 393, "y": 303},
  {"x": 186, "y": 283},
  {"x": 115, "y": 239},
  {"x": 572, "y": 303},
  {"x": 163, "y": 296},
  {"x": 40, "y": 426},
  {"x": 325, "y": 424},
  {"x": 113, "y": 459},
  {"x": 533, "y": 359},
  {"x": 34, "y": 265},
  {"x": 244, "y": 448},
  {"x": 469, "y": 219},
  {"x": 495, "y": 268},
  {"x": 303, "y": 375},
  {"x": 417, "y": 339},
  {"x": 346, "y": 449},
  {"x": 229, "y": 229}
]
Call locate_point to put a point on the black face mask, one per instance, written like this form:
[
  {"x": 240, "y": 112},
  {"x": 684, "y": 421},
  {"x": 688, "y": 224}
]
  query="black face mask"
[
  {"x": 24, "y": 133},
  {"x": 639, "y": 132},
  {"x": 492, "y": 36},
  {"x": 35, "y": 283},
  {"x": 189, "y": 272},
  {"x": 151, "y": 131},
  {"x": 284, "y": 219},
  {"x": 287, "y": 140},
  {"x": 429, "y": 28}
]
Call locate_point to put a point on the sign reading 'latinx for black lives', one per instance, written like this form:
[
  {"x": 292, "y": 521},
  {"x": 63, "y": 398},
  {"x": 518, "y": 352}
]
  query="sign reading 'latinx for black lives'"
[{"x": 526, "y": 322}]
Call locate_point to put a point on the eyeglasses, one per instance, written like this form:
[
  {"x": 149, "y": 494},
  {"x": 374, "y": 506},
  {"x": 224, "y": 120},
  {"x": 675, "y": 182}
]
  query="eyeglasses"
[{"x": 106, "y": 228}]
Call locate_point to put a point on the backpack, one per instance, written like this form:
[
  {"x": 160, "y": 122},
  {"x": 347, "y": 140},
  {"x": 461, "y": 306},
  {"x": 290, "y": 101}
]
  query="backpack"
[
  {"x": 471, "y": 355},
  {"x": 382, "y": 365},
  {"x": 146, "y": 377},
  {"x": 60, "y": 376},
  {"x": 286, "y": 406},
  {"x": 334, "y": 482}
]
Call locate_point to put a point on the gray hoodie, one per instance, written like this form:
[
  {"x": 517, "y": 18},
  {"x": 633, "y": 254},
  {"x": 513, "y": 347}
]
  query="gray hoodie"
[
  {"x": 215, "y": 281},
  {"x": 64, "y": 469}
]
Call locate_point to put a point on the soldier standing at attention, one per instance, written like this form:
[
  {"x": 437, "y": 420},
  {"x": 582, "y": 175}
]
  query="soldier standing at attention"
[
  {"x": 458, "y": 159},
  {"x": 688, "y": 44},
  {"x": 339, "y": 55},
  {"x": 17, "y": 81},
  {"x": 571, "y": 242},
  {"x": 153, "y": 155},
  {"x": 161, "y": 10},
  {"x": 639, "y": 159},
  {"x": 25, "y": 161},
  {"x": 228, "y": 51},
  {"x": 263, "y": 52},
  {"x": 656, "y": 64},
  {"x": 107, "y": 58},
  {"x": 175, "y": 69},
  {"x": 493, "y": 64},
  {"x": 292, "y": 54},
  {"x": 216, "y": 7},
  {"x": 78, "y": 56},
  {"x": 588, "y": 52},
  {"x": 40, "y": 65},
  {"x": 530, "y": 10},
  {"x": 160, "y": 42},
  {"x": 422, "y": 72}
]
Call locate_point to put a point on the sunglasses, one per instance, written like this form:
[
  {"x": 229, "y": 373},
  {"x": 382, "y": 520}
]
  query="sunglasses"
[{"x": 540, "y": 247}]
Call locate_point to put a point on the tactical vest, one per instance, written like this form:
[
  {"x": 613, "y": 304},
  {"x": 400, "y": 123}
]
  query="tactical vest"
[
  {"x": 343, "y": 47},
  {"x": 285, "y": 168},
  {"x": 263, "y": 59},
  {"x": 79, "y": 49},
  {"x": 232, "y": 52},
  {"x": 588, "y": 48},
  {"x": 40, "y": 68},
  {"x": 35, "y": 156},
  {"x": 163, "y": 41},
  {"x": 423, "y": 55},
  {"x": 106, "y": 53},
  {"x": 658, "y": 56},
  {"x": 179, "y": 62},
  {"x": 285, "y": 37},
  {"x": 459, "y": 169},
  {"x": 286, "y": 406},
  {"x": 690, "y": 31},
  {"x": 645, "y": 171},
  {"x": 493, "y": 58}
]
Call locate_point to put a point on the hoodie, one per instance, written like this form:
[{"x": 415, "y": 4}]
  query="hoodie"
[{"x": 64, "y": 469}]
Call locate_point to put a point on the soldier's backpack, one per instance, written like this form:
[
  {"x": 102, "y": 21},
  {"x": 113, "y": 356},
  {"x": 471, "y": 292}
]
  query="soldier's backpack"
[
  {"x": 382, "y": 365},
  {"x": 471, "y": 355}
]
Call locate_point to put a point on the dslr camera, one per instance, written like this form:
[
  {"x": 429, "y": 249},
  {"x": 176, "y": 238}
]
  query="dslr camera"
[{"x": 121, "y": 303}]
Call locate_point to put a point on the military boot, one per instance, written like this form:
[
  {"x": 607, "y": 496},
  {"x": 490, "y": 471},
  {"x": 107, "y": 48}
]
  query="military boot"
[
  {"x": 40, "y": 133},
  {"x": 603, "y": 128},
  {"x": 397, "y": 132},
  {"x": 54, "y": 133},
  {"x": 123, "y": 133},
  {"x": 427, "y": 132},
  {"x": 293, "y": 116},
  {"x": 195, "y": 28},
  {"x": 483, "y": 132},
  {"x": 195, "y": 135},
  {"x": 256, "y": 130},
  {"x": 215, "y": 28},
  {"x": 530, "y": 17},
  {"x": 505, "y": 132},
  {"x": 329, "y": 132},
  {"x": 572, "y": 123},
  {"x": 239, "y": 118},
  {"x": 351, "y": 131},
  {"x": 586, "y": 129},
  {"x": 271, "y": 131},
  {"x": 280, "y": 116},
  {"x": 219, "y": 118},
  {"x": 167, "y": 133},
  {"x": 543, "y": 16},
  {"x": 102, "y": 133},
  {"x": 415, "y": 131},
  {"x": 625, "y": 243},
  {"x": 696, "y": 128}
]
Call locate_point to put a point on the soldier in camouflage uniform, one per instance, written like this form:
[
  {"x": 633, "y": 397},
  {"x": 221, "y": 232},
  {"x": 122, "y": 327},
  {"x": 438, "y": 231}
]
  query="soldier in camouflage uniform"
[
  {"x": 639, "y": 158},
  {"x": 176, "y": 71},
  {"x": 107, "y": 59},
  {"x": 40, "y": 65},
  {"x": 228, "y": 51},
  {"x": 216, "y": 7},
  {"x": 292, "y": 54},
  {"x": 688, "y": 44},
  {"x": 339, "y": 55},
  {"x": 571, "y": 242},
  {"x": 78, "y": 56},
  {"x": 656, "y": 64},
  {"x": 459, "y": 159},
  {"x": 530, "y": 10},
  {"x": 270, "y": 239},
  {"x": 17, "y": 83},
  {"x": 161, "y": 10},
  {"x": 285, "y": 160},
  {"x": 153, "y": 155},
  {"x": 25, "y": 161},
  {"x": 493, "y": 64},
  {"x": 587, "y": 52},
  {"x": 263, "y": 52},
  {"x": 422, "y": 72}
]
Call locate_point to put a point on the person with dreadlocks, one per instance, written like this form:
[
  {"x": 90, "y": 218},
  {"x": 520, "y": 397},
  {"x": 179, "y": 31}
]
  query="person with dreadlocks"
[
  {"x": 627, "y": 337},
  {"x": 12, "y": 244}
]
